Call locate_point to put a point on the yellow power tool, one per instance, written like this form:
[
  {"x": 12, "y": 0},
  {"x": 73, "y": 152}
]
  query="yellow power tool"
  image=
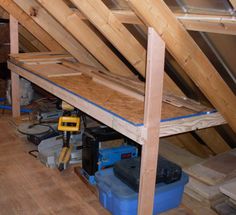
[{"x": 67, "y": 124}]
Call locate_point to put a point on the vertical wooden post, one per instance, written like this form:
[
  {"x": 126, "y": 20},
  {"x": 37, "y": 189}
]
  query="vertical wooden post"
[
  {"x": 152, "y": 117},
  {"x": 15, "y": 79}
]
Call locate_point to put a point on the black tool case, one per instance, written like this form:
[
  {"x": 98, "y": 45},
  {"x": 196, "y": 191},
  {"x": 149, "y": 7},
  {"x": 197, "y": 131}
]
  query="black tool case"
[{"x": 128, "y": 171}]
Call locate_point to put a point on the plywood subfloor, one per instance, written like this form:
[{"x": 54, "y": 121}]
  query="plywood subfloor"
[{"x": 29, "y": 188}]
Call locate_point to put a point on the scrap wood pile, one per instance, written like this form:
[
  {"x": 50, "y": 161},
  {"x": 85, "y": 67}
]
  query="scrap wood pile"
[{"x": 212, "y": 181}]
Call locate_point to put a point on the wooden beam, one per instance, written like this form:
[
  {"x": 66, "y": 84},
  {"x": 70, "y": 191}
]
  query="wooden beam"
[
  {"x": 233, "y": 2},
  {"x": 26, "y": 45},
  {"x": 188, "y": 55},
  {"x": 213, "y": 140},
  {"x": 55, "y": 30},
  {"x": 86, "y": 36},
  {"x": 15, "y": 78},
  {"x": 107, "y": 23},
  {"x": 29, "y": 24},
  {"x": 152, "y": 117},
  {"x": 194, "y": 22},
  {"x": 31, "y": 39},
  {"x": 208, "y": 23}
]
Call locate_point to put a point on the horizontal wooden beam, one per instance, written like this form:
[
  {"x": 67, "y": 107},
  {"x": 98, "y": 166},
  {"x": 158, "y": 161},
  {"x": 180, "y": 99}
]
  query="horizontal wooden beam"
[
  {"x": 192, "y": 22},
  {"x": 189, "y": 56},
  {"x": 208, "y": 23}
]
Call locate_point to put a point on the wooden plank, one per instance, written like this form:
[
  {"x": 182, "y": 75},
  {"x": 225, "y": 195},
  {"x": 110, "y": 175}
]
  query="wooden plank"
[
  {"x": 178, "y": 155},
  {"x": 15, "y": 79},
  {"x": 55, "y": 30},
  {"x": 229, "y": 189},
  {"x": 208, "y": 23},
  {"x": 233, "y": 2},
  {"x": 26, "y": 44},
  {"x": 152, "y": 117},
  {"x": 192, "y": 145},
  {"x": 188, "y": 55},
  {"x": 216, "y": 169},
  {"x": 28, "y": 23},
  {"x": 86, "y": 36},
  {"x": 107, "y": 23},
  {"x": 213, "y": 140},
  {"x": 79, "y": 88},
  {"x": 32, "y": 39},
  {"x": 56, "y": 70},
  {"x": 193, "y": 22},
  {"x": 71, "y": 96}
]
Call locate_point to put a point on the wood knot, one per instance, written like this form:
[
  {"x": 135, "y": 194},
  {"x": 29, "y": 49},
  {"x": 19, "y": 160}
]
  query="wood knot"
[{"x": 33, "y": 12}]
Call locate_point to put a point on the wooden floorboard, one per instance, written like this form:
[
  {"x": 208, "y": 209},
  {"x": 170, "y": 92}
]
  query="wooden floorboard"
[{"x": 27, "y": 187}]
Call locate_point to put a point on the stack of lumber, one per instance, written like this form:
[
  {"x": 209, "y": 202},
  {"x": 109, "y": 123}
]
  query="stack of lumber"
[
  {"x": 212, "y": 178},
  {"x": 229, "y": 205}
]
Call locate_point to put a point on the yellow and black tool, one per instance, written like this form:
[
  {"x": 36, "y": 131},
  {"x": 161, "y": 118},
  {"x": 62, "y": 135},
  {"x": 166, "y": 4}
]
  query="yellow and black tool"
[{"x": 67, "y": 124}]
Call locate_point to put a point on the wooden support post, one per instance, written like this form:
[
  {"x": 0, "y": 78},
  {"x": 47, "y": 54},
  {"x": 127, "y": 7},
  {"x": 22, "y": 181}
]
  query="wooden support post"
[
  {"x": 152, "y": 117},
  {"x": 189, "y": 56},
  {"x": 15, "y": 79}
]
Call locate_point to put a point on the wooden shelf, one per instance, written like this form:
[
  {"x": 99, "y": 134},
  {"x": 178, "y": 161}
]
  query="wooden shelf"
[{"x": 119, "y": 111}]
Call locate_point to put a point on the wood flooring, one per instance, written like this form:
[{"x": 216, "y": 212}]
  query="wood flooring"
[{"x": 27, "y": 187}]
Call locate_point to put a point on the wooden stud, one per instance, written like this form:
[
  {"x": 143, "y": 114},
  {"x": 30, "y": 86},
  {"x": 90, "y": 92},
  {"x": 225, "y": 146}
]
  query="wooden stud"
[
  {"x": 188, "y": 55},
  {"x": 15, "y": 79},
  {"x": 86, "y": 36},
  {"x": 152, "y": 117}
]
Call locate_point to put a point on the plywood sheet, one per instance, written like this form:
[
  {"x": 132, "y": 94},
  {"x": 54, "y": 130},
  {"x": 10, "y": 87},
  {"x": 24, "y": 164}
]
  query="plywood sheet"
[{"x": 118, "y": 103}]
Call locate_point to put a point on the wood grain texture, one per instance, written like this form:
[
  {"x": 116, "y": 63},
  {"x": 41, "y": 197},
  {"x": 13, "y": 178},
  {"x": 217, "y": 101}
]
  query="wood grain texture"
[
  {"x": 28, "y": 187},
  {"x": 110, "y": 107},
  {"x": 15, "y": 79},
  {"x": 55, "y": 30},
  {"x": 152, "y": 118},
  {"x": 186, "y": 52},
  {"x": 107, "y": 23},
  {"x": 215, "y": 170},
  {"x": 89, "y": 39},
  {"x": 28, "y": 23},
  {"x": 229, "y": 189}
]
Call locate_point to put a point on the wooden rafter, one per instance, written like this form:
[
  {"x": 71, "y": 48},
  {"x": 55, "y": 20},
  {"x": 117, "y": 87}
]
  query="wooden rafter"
[
  {"x": 107, "y": 23},
  {"x": 188, "y": 55},
  {"x": 28, "y": 23},
  {"x": 31, "y": 39},
  {"x": 55, "y": 30},
  {"x": 233, "y": 2},
  {"x": 86, "y": 36}
]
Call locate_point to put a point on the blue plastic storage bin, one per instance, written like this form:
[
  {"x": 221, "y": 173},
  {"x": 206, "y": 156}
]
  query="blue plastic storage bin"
[{"x": 119, "y": 199}]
